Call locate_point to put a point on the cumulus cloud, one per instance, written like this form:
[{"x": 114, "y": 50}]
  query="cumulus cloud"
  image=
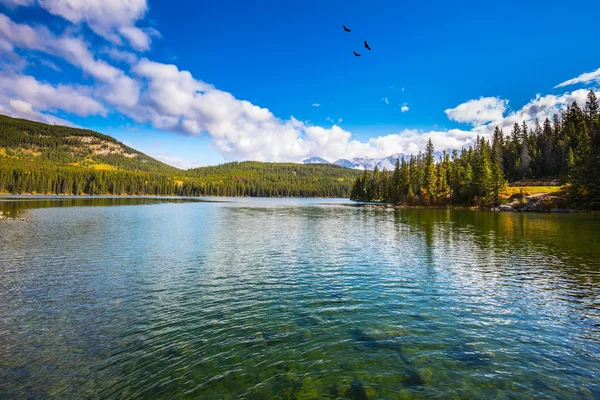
[
  {"x": 542, "y": 107},
  {"x": 385, "y": 100},
  {"x": 22, "y": 109},
  {"x": 478, "y": 112},
  {"x": 120, "y": 90},
  {"x": 410, "y": 141},
  {"x": 16, "y": 3},
  {"x": 111, "y": 19},
  {"x": 583, "y": 78},
  {"x": 173, "y": 100},
  {"x": 316, "y": 105},
  {"x": 120, "y": 55},
  {"x": 46, "y": 97},
  {"x": 114, "y": 20},
  {"x": 21, "y": 106}
]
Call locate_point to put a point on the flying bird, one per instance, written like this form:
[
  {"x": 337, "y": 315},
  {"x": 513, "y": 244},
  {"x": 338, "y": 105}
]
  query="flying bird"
[
  {"x": 367, "y": 45},
  {"x": 356, "y": 54},
  {"x": 346, "y": 29}
]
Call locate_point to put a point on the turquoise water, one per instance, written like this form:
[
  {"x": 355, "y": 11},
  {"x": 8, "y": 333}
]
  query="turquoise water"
[{"x": 295, "y": 299}]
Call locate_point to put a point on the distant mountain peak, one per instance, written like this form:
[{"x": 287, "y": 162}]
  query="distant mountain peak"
[
  {"x": 388, "y": 163},
  {"x": 316, "y": 160}
]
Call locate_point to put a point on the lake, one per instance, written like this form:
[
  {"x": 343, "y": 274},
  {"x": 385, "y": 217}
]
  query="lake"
[{"x": 295, "y": 299}]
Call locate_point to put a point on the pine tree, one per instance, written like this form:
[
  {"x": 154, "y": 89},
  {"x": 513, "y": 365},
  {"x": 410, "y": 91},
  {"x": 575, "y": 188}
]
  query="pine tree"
[
  {"x": 591, "y": 115},
  {"x": 546, "y": 147},
  {"x": 396, "y": 183},
  {"x": 498, "y": 182},
  {"x": 430, "y": 172}
]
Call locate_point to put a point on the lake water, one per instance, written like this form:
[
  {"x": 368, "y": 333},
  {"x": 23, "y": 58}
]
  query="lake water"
[{"x": 295, "y": 299}]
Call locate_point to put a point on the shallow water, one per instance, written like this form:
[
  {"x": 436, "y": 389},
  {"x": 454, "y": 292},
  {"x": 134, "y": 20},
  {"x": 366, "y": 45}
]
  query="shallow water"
[{"x": 288, "y": 298}]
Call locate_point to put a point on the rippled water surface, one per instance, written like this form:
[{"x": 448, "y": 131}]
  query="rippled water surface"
[{"x": 296, "y": 299}]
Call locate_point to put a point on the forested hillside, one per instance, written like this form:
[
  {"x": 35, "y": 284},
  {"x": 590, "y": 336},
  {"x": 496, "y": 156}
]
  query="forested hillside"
[
  {"x": 566, "y": 148},
  {"x": 47, "y": 159},
  {"x": 251, "y": 178},
  {"x": 64, "y": 145}
]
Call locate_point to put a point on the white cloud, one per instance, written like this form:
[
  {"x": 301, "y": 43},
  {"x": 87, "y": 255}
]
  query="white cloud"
[
  {"x": 478, "y": 112},
  {"x": 16, "y": 3},
  {"x": 45, "y": 97},
  {"x": 385, "y": 100},
  {"x": 329, "y": 119},
  {"x": 119, "y": 89},
  {"x": 176, "y": 161},
  {"x": 23, "y": 109},
  {"x": 50, "y": 65},
  {"x": 21, "y": 106},
  {"x": 583, "y": 78},
  {"x": 120, "y": 55},
  {"x": 542, "y": 107},
  {"x": 173, "y": 100},
  {"x": 138, "y": 38},
  {"x": 316, "y": 105},
  {"x": 411, "y": 141},
  {"x": 111, "y": 19}
]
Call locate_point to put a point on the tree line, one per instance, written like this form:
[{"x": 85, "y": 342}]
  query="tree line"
[
  {"x": 566, "y": 148},
  {"x": 49, "y": 159},
  {"x": 252, "y": 179}
]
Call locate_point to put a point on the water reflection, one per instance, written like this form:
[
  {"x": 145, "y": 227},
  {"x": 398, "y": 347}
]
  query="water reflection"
[
  {"x": 293, "y": 299},
  {"x": 14, "y": 206}
]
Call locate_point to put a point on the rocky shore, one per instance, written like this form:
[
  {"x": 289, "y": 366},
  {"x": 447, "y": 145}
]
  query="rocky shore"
[{"x": 539, "y": 202}]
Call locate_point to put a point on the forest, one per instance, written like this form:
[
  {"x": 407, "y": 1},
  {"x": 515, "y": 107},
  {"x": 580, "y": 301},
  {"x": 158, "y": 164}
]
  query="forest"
[
  {"x": 566, "y": 148},
  {"x": 49, "y": 159},
  {"x": 253, "y": 179}
]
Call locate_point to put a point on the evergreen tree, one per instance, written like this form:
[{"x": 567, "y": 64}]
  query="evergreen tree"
[
  {"x": 430, "y": 176},
  {"x": 524, "y": 159}
]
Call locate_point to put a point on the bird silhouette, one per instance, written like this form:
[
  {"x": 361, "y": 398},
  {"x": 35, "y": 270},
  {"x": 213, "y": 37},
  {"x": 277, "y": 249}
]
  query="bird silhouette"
[
  {"x": 356, "y": 54},
  {"x": 367, "y": 45},
  {"x": 346, "y": 29}
]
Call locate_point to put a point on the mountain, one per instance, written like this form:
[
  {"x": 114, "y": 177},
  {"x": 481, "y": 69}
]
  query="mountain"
[
  {"x": 346, "y": 163},
  {"x": 368, "y": 163},
  {"x": 51, "y": 159},
  {"x": 316, "y": 160},
  {"x": 388, "y": 163},
  {"x": 24, "y": 139}
]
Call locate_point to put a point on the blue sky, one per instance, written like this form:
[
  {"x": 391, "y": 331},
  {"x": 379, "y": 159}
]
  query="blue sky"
[{"x": 197, "y": 83}]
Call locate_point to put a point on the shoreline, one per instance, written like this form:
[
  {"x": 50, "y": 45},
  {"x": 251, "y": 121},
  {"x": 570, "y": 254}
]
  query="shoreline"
[
  {"x": 382, "y": 205},
  {"x": 97, "y": 196},
  {"x": 352, "y": 203}
]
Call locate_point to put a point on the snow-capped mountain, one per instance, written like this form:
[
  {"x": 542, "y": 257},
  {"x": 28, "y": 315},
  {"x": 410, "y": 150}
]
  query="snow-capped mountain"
[
  {"x": 342, "y": 162},
  {"x": 316, "y": 160},
  {"x": 388, "y": 163}
]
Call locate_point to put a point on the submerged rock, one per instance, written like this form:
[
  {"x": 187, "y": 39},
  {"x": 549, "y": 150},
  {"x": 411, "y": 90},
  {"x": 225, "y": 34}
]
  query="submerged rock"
[
  {"x": 357, "y": 391},
  {"x": 471, "y": 355},
  {"x": 505, "y": 207}
]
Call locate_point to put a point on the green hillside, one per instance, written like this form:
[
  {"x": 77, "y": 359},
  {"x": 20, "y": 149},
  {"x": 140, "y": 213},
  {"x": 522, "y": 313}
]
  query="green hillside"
[
  {"x": 251, "y": 178},
  {"x": 23, "y": 139},
  {"x": 49, "y": 159}
]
